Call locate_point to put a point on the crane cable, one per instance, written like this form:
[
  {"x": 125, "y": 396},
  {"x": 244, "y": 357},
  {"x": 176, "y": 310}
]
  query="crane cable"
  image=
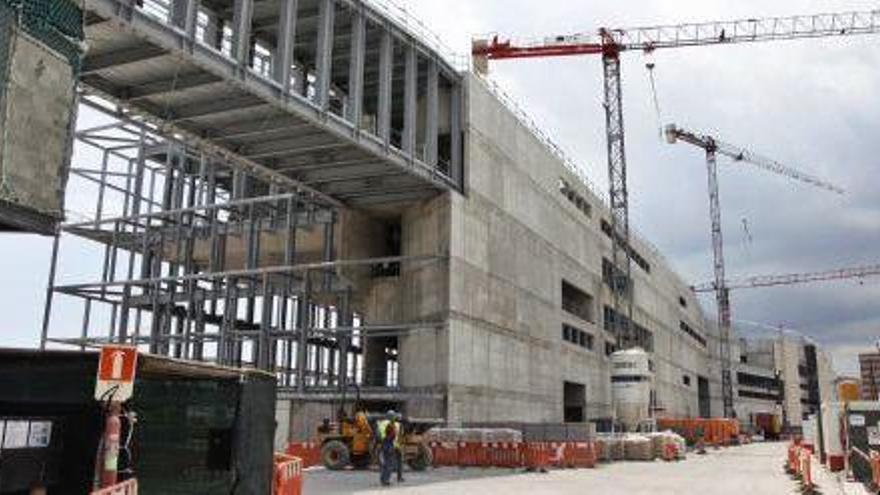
[{"x": 658, "y": 113}]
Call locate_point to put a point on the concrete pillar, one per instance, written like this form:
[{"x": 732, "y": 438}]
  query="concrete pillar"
[
  {"x": 410, "y": 103},
  {"x": 286, "y": 38},
  {"x": 282, "y": 425},
  {"x": 386, "y": 54},
  {"x": 356, "y": 68},
  {"x": 432, "y": 111},
  {"x": 241, "y": 31},
  {"x": 324, "y": 53}
]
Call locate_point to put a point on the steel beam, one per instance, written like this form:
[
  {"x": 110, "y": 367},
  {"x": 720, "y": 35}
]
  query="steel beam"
[
  {"x": 324, "y": 53},
  {"x": 456, "y": 102},
  {"x": 432, "y": 110},
  {"x": 103, "y": 61},
  {"x": 410, "y": 100},
  {"x": 168, "y": 86},
  {"x": 241, "y": 31},
  {"x": 356, "y": 68},
  {"x": 286, "y": 38},
  {"x": 386, "y": 54}
]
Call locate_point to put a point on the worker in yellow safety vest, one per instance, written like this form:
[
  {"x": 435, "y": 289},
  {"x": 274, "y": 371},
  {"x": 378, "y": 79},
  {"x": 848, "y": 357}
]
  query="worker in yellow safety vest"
[{"x": 389, "y": 447}]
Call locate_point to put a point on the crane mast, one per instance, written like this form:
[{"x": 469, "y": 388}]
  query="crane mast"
[
  {"x": 610, "y": 43},
  {"x": 713, "y": 147}
]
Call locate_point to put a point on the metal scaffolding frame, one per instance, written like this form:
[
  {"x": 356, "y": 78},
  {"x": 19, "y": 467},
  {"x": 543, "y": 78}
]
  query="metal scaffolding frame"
[{"x": 202, "y": 260}]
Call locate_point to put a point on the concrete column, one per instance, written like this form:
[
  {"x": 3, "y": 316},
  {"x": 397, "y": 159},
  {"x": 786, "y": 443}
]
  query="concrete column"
[
  {"x": 324, "y": 53},
  {"x": 456, "y": 168},
  {"x": 432, "y": 112},
  {"x": 386, "y": 54},
  {"x": 286, "y": 38},
  {"x": 356, "y": 68},
  {"x": 410, "y": 103},
  {"x": 241, "y": 31}
]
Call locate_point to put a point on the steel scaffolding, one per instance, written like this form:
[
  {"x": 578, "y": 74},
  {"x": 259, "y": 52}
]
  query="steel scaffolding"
[{"x": 202, "y": 260}]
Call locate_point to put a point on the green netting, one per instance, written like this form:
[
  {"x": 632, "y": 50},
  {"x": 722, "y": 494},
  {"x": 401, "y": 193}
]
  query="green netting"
[{"x": 57, "y": 23}]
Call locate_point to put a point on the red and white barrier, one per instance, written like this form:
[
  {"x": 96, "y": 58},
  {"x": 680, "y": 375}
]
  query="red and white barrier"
[
  {"x": 129, "y": 487},
  {"x": 287, "y": 476}
]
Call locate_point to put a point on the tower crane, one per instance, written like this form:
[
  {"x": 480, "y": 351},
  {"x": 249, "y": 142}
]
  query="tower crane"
[
  {"x": 714, "y": 147},
  {"x": 609, "y": 44},
  {"x": 758, "y": 281}
]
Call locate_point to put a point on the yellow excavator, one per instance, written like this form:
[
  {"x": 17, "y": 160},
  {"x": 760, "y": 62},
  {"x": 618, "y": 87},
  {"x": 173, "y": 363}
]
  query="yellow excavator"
[{"x": 351, "y": 441}]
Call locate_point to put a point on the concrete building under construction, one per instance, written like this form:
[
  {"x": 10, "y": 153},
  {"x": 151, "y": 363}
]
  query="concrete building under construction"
[{"x": 313, "y": 188}]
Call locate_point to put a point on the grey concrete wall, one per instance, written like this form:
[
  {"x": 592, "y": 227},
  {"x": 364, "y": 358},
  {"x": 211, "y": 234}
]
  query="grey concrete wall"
[
  {"x": 514, "y": 238},
  {"x": 36, "y": 117}
]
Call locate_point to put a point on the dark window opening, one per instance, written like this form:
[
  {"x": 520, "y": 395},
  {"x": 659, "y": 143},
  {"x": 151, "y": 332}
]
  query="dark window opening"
[
  {"x": 577, "y": 302},
  {"x": 686, "y": 380},
  {"x": 575, "y": 198},
  {"x": 639, "y": 335},
  {"x": 692, "y": 333},
  {"x": 392, "y": 248},
  {"x": 682, "y": 302},
  {"x": 577, "y": 336},
  {"x": 574, "y": 401}
]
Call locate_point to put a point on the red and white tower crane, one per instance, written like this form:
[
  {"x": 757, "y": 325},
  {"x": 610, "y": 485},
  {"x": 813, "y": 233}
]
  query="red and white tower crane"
[{"x": 609, "y": 44}]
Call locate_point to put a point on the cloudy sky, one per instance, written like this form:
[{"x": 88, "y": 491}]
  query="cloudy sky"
[{"x": 809, "y": 104}]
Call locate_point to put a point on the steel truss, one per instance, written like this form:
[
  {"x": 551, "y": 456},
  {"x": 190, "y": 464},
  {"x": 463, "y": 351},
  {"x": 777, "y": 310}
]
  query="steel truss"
[{"x": 202, "y": 260}]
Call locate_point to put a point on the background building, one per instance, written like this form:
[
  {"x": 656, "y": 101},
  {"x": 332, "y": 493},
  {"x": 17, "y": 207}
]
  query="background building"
[{"x": 869, "y": 364}]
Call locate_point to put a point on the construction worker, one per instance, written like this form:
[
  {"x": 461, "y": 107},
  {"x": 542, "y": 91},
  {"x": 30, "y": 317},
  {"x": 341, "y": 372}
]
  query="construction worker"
[{"x": 387, "y": 433}]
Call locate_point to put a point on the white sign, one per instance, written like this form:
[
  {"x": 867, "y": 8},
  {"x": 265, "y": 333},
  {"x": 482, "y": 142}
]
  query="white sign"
[
  {"x": 16, "y": 434},
  {"x": 40, "y": 435},
  {"x": 857, "y": 420},
  {"x": 116, "y": 370},
  {"x": 874, "y": 435}
]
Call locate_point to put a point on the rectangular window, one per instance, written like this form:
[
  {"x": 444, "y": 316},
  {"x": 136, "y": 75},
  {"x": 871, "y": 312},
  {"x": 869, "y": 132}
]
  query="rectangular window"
[
  {"x": 577, "y": 302},
  {"x": 686, "y": 380},
  {"x": 633, "y": 254},
  {"x": 575, "y": 198},
  {"x": 577, "y": 336},
  {"x": 692, "y": 333}
]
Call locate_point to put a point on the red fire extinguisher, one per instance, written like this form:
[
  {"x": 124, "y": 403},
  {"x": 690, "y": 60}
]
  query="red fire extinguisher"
[{"x": 112, "y": 430}]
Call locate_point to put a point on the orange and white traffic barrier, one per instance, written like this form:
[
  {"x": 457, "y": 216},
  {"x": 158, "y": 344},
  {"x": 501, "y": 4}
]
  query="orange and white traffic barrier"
[
  {"x": 793, "y": 464},
  {"x": 536, "y": 456},
  {"x": 505, "y": 455},
  {"x": 806, "y": 471},
  {"x": 875, "y": 468},
  {"x": 309, "y": 453},
  {"x": 580, "y": 455},
  {"x": 128, "y": 487},
  {"x": 444, "y": 453},
  {"x": 287, "y": 475}
]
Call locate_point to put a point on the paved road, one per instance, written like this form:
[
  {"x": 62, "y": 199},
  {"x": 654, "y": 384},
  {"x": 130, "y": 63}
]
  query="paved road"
[{"x": 748, "y": 470}]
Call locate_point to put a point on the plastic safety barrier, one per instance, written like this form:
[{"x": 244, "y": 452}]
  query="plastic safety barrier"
[
  {"x": 875, "y": 468},
  {"x": 713, "y": 431},
  {"x": 287, "y": 475},
  {"x": 580, "y": 455},
  {"x": 444, "y": 453},
  {"x": 128, "y": 487},
  {"x": 536, "y": 456},
  {"x": 505, "y": 455},
  {"x": 806, "y": 471},
  {"x": 309, "y": 453}
]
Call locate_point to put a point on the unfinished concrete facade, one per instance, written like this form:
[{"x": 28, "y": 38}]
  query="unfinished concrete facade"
[{"x": 286, "y": 206}]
